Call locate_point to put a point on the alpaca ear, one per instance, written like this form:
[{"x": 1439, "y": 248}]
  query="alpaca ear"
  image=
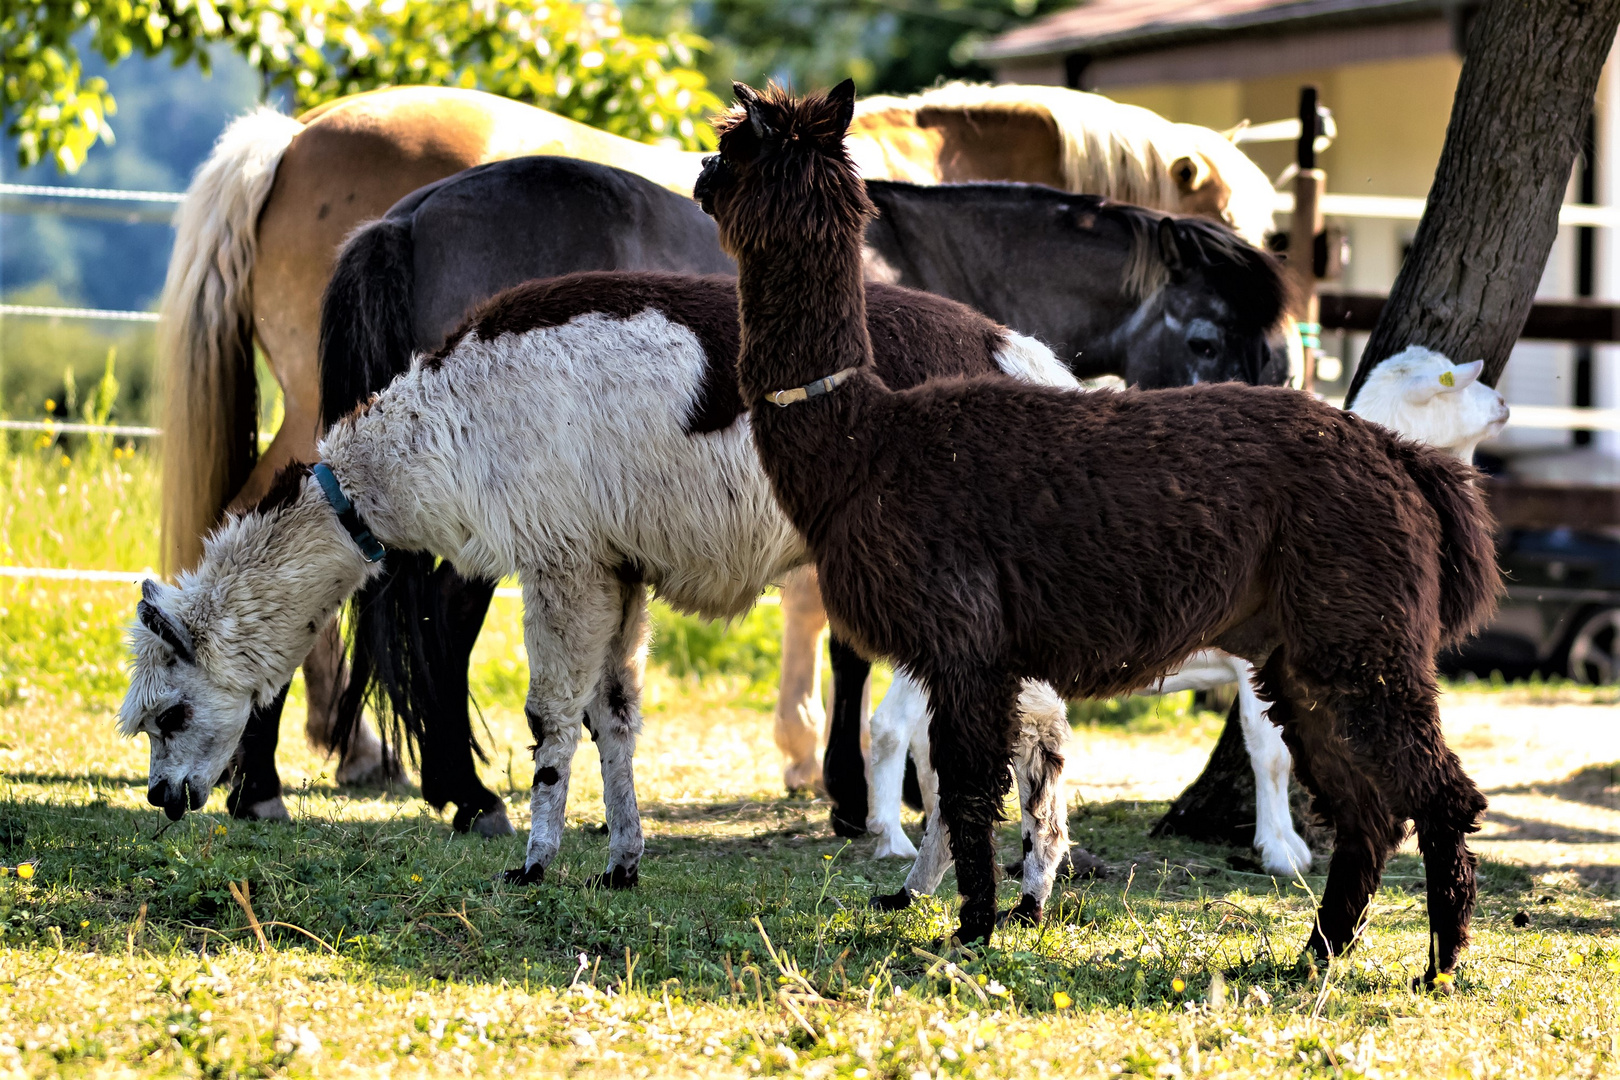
[
  {"x": 1462, "y": 376},
  {"x": 1170, "y": 246},
  {"x": 168, "y": 629},
  {"x": 842, "y": 98},
  {"x": 749, "y": 99}
]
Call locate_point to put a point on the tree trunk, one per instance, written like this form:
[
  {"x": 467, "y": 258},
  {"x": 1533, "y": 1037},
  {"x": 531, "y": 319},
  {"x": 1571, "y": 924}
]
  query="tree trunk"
[{"x": 1529, "y": 76}]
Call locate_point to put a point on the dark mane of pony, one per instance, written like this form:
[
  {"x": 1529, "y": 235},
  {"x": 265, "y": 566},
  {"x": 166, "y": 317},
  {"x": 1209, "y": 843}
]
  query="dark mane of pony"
[
  {"x": 284, "y": 488},
  {"x": 1251, "y": 281}
]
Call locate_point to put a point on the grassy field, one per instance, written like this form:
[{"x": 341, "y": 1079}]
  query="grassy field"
[{"x": 366, "y": 939}]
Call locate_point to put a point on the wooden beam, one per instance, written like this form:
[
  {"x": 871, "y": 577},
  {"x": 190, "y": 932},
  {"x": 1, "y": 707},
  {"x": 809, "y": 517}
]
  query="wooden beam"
[
  {"x": 1563, "y": 320},
  {"x": 1519, "y": 505}
]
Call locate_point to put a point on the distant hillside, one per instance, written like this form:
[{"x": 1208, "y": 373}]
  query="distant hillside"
[{"x": 167, "y": 121}]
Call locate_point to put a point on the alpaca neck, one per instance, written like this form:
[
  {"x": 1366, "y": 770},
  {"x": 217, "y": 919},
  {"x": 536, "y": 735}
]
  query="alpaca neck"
[
  {"x": 803, "y": 311},
  {"x": 268, "y": 583}
]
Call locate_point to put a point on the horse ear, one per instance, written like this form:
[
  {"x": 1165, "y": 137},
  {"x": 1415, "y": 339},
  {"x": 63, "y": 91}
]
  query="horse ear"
[
  {"x": 171, "y": 631},
  {"x": 1170, "y": 246},
  {"x": 842, "y": 98},
  {"x": 1190, "y": 172}
]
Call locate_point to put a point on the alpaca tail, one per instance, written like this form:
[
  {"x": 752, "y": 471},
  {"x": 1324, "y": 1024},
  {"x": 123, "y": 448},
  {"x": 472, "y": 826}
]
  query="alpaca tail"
[
  {"x": 1469, "y": 579},
  {"x": 205, "y": 332},
  {"x": 366, "y": 341}
]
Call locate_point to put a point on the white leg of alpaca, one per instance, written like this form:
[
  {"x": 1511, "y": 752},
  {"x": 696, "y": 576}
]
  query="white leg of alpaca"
[
  {"x": 934, "y": 854},
  {"x": 1282, "y": 851},
  {"x": 615, "y": 721},
  {"x": 1043, "y": 729},
  {"x": 570, "y": 618},
  {"x": 903, "y": 711},
  {"x": 800, "y": 715}
]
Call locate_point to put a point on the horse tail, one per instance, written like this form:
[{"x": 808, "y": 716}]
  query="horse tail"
[
  {"x": 366, "y": 341},
  {"x": 209, "y": 390},
  {"x": 1469, "y": 580}
]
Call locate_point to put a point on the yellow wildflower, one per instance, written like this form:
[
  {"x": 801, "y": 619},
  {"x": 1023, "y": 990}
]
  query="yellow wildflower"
[
  {"x": 416, "y": 879},
  {"x": 219, "y": 830},
  {"x": 1178, "y": 984},
  {"x": 1062, "y": 1000},
  {"x": 25, "y": 870}
]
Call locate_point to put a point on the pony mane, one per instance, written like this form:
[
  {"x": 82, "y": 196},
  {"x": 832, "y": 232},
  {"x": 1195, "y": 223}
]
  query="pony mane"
[
  {"x": 1119, "y": 151},
  {"x": 1247, "y": 278}
]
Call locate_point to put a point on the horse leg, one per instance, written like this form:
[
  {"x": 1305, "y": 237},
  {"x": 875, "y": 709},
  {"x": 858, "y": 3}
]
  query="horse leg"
[
  {"x": 571, "y": 617},
  {"x": 256, "y": 787},
  {"x": 972, "y": 731},
  {"x": 799, "y": 713},
  {"x": 614, "y": 720},
  {"x": 843, "y": 770},
  {"x": 1283, "y": 852},
  {"x": 902, "y": 712},
  {"x": 1367, "y": 828},
  {"x": 449, "y": 770}
]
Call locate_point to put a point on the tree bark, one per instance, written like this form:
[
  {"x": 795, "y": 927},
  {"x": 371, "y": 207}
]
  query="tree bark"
[{"x": 1529, "y": 75}]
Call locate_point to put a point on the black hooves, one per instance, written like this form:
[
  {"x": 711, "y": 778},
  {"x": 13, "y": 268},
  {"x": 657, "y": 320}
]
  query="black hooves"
[
  {"x": 892, "y": 901},
  {"x": 528, "y": 875},
  {"x": 617, "y": 878},
  {"x": 1027, "y": 912},
  {"x": 850, "y": 830}
]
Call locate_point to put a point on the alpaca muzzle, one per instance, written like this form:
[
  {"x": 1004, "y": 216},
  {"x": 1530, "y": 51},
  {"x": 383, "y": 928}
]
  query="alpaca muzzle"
[{"x": 176, "y": 799}]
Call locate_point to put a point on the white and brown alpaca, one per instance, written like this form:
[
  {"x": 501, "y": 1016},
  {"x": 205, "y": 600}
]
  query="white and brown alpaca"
[
  {"x": 979, "y": 532},
  {"x": 583, "y": 432},
  {"x": 1417, "y": 393}
]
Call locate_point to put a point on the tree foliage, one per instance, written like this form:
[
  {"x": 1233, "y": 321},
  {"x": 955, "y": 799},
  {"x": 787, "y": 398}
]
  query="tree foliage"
[{"x": 571, "y": 56}]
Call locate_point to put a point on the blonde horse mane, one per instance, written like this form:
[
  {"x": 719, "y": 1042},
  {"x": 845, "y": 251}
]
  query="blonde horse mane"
[
  {"x": 1122, "y": 152},
  {"x": 205, "y": 331}
]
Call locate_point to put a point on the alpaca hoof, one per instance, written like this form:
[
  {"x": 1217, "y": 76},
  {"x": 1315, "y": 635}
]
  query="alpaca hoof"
[
  {"x": 490, "y": 824},
  {"x": 898, "y": 901},
  {"x": 528, "y": 875},
  {"x": 850, "y": 830},
  {"x": 617, "y": 879},
  {"x": 972, "y": 930},
  {"x": 1028, "y": 912}
]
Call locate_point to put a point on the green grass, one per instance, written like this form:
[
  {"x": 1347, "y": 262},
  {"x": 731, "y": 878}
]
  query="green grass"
[{"x": 748, "y": 949}]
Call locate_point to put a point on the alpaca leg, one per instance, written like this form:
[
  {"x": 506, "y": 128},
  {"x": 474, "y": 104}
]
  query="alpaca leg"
[
  {"x": 1283, "y": 852},
  {"x": 843, "y": 769},
  {"x": 972, "y": 730},
  {"x": 570, "y": 618},
  {"x": 1367, "y": 830},
  {"x": 903, "y": 711},
  {"x": 1038, "y": 765},
  {"x": 614, "y": 719},
  {"x": 800, "y": 715},
  {"x": 255, "y": 786}
]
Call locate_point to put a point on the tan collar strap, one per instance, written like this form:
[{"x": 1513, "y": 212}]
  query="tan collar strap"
[{"x": 827, "y": 385}]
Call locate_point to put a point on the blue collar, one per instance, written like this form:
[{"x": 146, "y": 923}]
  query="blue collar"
[{"x": 347, "y": 515}]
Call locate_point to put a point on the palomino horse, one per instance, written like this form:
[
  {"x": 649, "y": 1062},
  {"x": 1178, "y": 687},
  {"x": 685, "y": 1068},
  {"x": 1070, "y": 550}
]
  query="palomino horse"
[{"x": 260, "y": 228}]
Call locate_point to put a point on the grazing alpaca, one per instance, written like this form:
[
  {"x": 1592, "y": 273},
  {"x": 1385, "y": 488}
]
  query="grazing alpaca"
[
  {"x": 1417, "y": 393},
  {"x": 584, "y": 432},
  {"x": 974, "y": 531}
]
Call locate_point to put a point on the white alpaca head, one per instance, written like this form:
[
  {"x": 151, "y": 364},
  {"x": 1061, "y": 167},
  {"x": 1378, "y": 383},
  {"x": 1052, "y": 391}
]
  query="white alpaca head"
[
  {"x": 1424, "y": 396},
  {"x": 231, "y": 634}
]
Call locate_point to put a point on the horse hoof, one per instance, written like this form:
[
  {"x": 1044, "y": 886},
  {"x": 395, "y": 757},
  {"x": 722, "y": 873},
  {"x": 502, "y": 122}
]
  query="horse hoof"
[
  {"x": 892, "y": 901},
  {"x": 850, "y": 830},
  {"x": 1079, "y": 864},
  {"x": 492, "y": 823},
  {"x": 271, "y": 809},
  {"x": 528, "y": 875},
  {"x": 369, "y": 768},
  {"x": 618, "y": 878},
  {"x": 1028, "y": 912}
]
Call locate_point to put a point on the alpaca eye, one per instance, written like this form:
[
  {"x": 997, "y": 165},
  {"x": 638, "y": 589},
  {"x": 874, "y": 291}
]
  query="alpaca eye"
[{"x": 173, "y": 719}]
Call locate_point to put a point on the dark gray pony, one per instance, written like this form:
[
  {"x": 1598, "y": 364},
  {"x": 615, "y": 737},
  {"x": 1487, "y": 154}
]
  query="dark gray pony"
[{"x": 1115, "y": 289}]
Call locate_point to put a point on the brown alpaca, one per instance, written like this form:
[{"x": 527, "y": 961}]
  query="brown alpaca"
[{"x": 978, "y": 532}]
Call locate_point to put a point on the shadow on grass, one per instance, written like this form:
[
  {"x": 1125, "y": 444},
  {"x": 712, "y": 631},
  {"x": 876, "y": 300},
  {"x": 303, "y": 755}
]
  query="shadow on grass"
[{"x": 1595, "y": 785}]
